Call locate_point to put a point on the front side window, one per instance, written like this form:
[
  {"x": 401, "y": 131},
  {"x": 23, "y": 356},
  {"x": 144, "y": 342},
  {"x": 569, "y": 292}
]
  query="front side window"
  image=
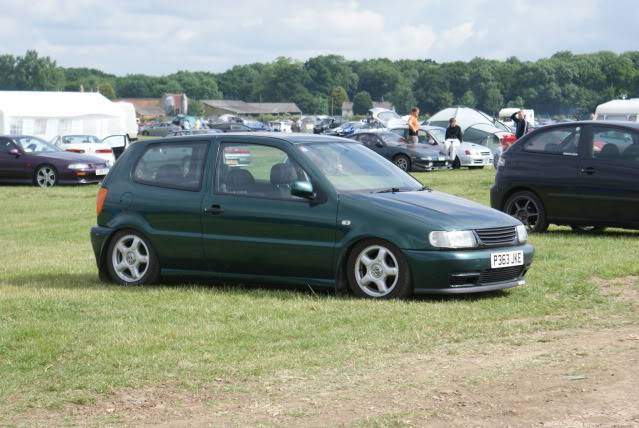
[
  {"x": 614, "y": 144},
  {"x": 174, "y": 165},
  {"x": 6, "y": 145},
  {"x": 351, "y": 167},
  {"x": 258, "y": 171},
  {"x": 557, "y": 141}
]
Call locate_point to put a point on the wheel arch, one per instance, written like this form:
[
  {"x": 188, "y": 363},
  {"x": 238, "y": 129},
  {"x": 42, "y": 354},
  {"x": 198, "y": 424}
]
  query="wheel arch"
[
  {"x": 40, "y": 165},
  {"x": 518, "y": 189},
  {"x": 102, "y": 259}
]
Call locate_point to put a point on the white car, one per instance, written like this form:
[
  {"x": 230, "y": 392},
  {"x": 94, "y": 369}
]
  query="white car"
[
  {"x": 387, "y": 118},
  {"x": 281, "y": 126},
  {"x": 86, "y": 144}
]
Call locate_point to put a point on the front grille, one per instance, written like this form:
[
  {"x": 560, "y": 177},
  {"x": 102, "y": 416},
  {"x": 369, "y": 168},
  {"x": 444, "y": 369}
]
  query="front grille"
[
  {"x": 497, "y": 236},
  {"x": 500, "y": 275}
]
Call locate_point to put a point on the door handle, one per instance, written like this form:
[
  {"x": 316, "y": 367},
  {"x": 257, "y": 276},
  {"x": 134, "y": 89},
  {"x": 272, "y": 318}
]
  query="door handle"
[
  {"x": 590, "y": 170},
  {"x": 214, "y": 210}
]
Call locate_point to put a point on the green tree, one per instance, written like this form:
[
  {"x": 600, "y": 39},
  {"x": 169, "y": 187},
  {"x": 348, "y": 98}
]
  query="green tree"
[
  {"x": 494, "y": 100},
  {"x": 34, "y": 73},
  {"x": 329, "y": 71},
  {"x": 7, "y": 72},
  {"x": 338, "y": 96},
  {"x": 107, "y": 90},
  {"x": 402, "y": 98},
  {"x": 362, "y": 102},
  {"x": 468, "y": 99},
  {"x": 378, "y": 77},
  {"x": 196, "y": 108}
]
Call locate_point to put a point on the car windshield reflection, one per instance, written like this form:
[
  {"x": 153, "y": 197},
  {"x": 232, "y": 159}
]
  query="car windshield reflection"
[
  {"x": 35, "y": 145},
  {"x": 351, "y": 167}
]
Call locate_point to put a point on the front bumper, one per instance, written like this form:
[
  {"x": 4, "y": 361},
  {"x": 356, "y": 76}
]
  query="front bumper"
[
  {"x": 467, "y": 271},
  {"x": 430, "y": 165},
  {"x": 86, "y": 176},
  {"x": 476, "y": 160}
]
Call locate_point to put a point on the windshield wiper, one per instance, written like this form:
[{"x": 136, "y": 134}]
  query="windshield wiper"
[{"x": 397, "y": 190}]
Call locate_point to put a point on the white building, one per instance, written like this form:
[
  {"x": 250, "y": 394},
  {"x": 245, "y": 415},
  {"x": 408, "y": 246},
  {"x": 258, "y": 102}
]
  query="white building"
[{"x": 48, "y": 114}]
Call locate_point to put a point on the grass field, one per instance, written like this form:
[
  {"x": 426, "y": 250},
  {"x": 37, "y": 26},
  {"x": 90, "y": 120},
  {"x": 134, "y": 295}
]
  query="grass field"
[{"x": 67, "y": 339}]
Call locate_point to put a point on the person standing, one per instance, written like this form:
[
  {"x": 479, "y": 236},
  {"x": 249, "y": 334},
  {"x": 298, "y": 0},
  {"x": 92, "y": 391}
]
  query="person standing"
[
  {"x": 454, "y": 131},
  {"x": 413, "y": 126},
  {"x": 521, "y": 124}
]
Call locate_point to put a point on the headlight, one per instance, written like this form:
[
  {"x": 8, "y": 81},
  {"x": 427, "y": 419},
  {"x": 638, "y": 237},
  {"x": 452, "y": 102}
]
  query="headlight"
[
  {"x": 522, "y": 234},
  {"x": 78, "y": 166},
  {"x": 427, "y": 158},
  {"x": 501, "y": 162},
  {"x": 454, "y": 239}
]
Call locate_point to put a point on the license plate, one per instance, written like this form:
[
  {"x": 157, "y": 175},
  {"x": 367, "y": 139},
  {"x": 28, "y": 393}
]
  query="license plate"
[
  {"x": 103, "y": 171},
  {"x": 506, "y": 259},
  {"x": 232, "y": 162}
]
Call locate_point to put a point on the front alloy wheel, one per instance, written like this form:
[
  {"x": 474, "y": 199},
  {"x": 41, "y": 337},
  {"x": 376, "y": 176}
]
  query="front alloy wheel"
[
  {"x": 131, "y": 260},
  {"x": 46, "y": 177},
  {"x": 402, "y": 163},
  {"x": 377, "y": 269},
  {"x": 527, "y": 208}
]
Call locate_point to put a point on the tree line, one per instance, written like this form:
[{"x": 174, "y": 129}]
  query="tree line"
[{"x": 564, "y": 83}]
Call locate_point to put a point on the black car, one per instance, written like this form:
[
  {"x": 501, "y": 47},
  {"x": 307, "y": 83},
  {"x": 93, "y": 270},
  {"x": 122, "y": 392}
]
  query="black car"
[
  {"x": 231, "y": 127},
  {"x": 325, "y": 125},
  {"x": 582, "y": 174},
  {"x": 408, "y": 157}
]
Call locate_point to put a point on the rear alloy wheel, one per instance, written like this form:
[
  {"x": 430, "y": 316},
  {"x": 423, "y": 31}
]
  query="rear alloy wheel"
[
  {"x": 527, "y": 208},
  {"x": 46, "y": 176},
  {"x": 402, "y": 162},
  {"x": 378, "y": 270},
  {"x": 131, "y": 260},
  {"x": 587, "y": 229}
]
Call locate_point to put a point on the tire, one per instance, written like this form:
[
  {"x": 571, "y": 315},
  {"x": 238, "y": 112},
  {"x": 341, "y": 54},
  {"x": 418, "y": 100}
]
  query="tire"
[
  {"x": 45, "y": 176},
  {"x": 377, "y": 269},
  {"x": 456, "y": 163},
  {"x": 527, "y": 208},
  {"x": 476, "y": 167},
  {"x": 402, "y": 162},
  {"x": 131, "y": 259},
  {"x": 587, "y": 229}
]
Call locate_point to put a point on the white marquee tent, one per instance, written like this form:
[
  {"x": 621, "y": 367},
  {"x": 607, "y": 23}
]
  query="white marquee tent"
[{"x": 48, "y": 114}]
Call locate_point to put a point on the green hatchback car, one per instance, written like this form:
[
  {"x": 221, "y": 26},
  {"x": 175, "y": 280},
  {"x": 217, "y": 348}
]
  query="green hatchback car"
[{"x": 305, "y": 210}]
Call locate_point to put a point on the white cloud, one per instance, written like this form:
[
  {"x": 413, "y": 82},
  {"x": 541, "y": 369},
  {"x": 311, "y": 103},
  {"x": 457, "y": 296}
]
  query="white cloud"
[{"x": 162, "y": 36}]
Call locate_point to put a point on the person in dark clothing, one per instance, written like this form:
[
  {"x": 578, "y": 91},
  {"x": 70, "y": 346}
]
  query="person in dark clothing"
[
  {"x": 453, "y": 130},
  {"x": 521, "y": 125}
]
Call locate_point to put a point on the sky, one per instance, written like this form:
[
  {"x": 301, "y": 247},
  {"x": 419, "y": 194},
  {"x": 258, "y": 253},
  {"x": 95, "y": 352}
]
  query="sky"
[{"x": 163, "y": 36}]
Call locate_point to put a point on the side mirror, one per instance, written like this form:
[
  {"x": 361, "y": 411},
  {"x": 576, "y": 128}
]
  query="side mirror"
[
  {"x": 302, "y": 189},
  {"x": 379, "y": 144},
  {"x": 15, "y": 152}
]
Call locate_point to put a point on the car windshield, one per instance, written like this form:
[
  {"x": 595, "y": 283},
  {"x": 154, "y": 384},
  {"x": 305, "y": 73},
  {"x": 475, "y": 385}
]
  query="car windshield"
[
  {"x": 35, "y": 145},
  {"x": 392, "y": 138},
  {"x": 80, "y": 139},
  {"x": 438, "y": 134},
  {"x": 351, "y": 167}
]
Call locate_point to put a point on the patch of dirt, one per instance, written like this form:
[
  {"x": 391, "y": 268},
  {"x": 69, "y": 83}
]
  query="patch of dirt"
[
  {"x": 625, "y": 288},
  {"x": 573, "y": 378}
]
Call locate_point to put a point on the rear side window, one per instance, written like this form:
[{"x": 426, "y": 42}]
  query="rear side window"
[
  {"x": 173, "y": 165},
  {"x": 614, "y": 144},
  {"x": 558, "y": 141}
]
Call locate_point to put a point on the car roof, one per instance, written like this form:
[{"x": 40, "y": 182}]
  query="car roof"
[
  {"x": 622, "y": 123},
  {"x": 293, "y": 138}
]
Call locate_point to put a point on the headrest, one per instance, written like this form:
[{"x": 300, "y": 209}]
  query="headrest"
[{"x": 283, "y": 173}]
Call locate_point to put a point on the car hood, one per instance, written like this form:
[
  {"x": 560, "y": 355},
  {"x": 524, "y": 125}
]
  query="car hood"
[
  {"x": 435, "y": 209},
  {"x": 68, "y": 156},
  {"x": 474, "y": 147}
]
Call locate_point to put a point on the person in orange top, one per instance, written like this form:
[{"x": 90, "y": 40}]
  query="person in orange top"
[{"x": 413, "y": 125}]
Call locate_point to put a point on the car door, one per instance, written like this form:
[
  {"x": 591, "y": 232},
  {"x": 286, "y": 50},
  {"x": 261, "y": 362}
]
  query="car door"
[
  {"x": 252, "y": 225},
  {"x": 549, "y": 166},
  {"x": 14, "y": 168},
  {"x": 609, "y": 175},
  {"x": 167, "y": 191}
]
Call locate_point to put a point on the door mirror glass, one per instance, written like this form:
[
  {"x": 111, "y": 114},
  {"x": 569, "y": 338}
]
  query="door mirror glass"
[
  {"x": 379, "y": 143},
  {"x": 14, "y": 152},
  {"x": 302, "y": 189}
]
